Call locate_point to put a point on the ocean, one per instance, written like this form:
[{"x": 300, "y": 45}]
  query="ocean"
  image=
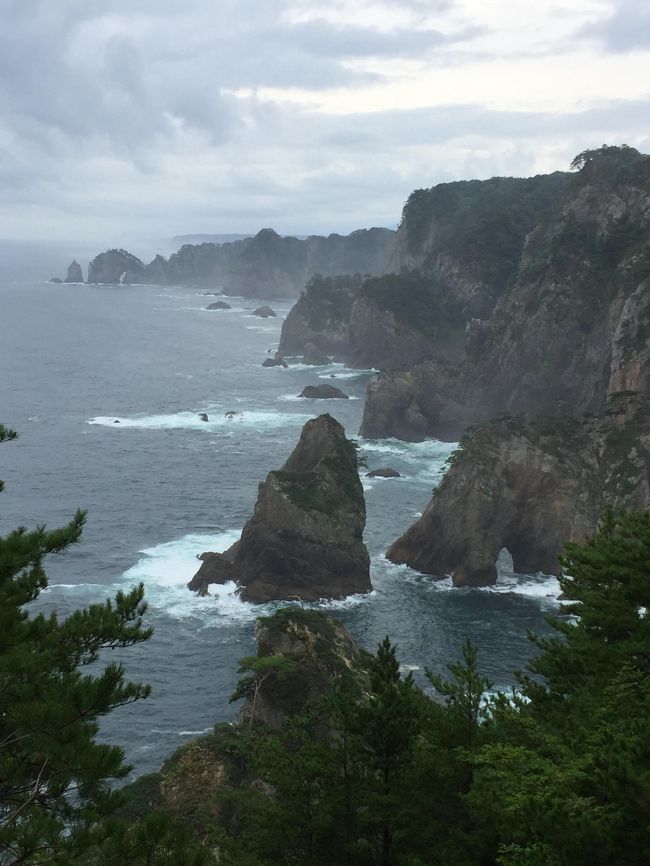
[{"x": 162, "y": 486}]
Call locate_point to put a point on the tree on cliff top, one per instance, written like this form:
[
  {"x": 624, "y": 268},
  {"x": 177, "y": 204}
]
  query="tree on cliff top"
[{"x": 54, "y": 776}]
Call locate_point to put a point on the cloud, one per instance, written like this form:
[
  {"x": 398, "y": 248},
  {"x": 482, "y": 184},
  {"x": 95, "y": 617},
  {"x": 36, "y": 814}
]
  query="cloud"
[
  {"x": 627, "y": 28},
  {"x": 158, "y": 118}
]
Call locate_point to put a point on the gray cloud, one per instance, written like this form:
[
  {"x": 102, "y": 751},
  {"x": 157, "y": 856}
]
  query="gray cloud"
[
  {"x": 628, "y": 27},
  {"x": 119, "y": 118}
]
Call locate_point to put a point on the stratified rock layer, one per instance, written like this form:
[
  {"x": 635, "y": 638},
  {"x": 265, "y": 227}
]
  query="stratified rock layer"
[
  {"x": 305, "y": 538},
  {"x": 529, "y": 486}
]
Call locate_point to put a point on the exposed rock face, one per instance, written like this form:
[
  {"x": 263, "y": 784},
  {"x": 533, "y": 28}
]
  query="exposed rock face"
[
  {"x": 529, "y": 487},
  {"x": 117, "y": 266},
  {"x": 389, "y": 321},
  {"x": 74, "y": 274},
  {"x": 219, "y": 305},
  {"x": 570, "y": 329},
  {"x": 314, "y": 356},
  {"x": 321, "y": 648},
  {"x": 264, "y": 266},
  {"x": 323, "y": 392},
  {"x": 305, "y": 538},
  {"x": 385, "y": 472},
  {"x": 264, "y": 312}
]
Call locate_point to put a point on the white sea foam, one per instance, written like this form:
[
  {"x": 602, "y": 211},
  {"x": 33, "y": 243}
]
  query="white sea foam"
[
  {"x": 293, "y": 398},
  {"x": 191, "y": 421},
  {"x": 166, "y": 569},
  {"x": 543, "y": 588}
]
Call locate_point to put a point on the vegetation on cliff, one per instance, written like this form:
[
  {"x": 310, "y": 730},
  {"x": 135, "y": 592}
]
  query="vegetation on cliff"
[{"x": 370, "y": 769}]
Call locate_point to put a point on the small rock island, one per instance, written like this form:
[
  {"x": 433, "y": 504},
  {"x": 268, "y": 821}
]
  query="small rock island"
[{"x": 305, "y": 538}]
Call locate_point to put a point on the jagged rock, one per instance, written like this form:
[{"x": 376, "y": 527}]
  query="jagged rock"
[
  {"x": 529, "y": 486},
  {"x": 386, "y": 472},
  {"x": 215, "y": 568},
  {"x": 74, "y": 274},
  {"x": 219, "y": 305},
  {"x": 305, "y": 538},
  {"x": 321, "y": 648},
  {"x": 203, "y": 416},
  {"x": 314, "y": 356},
  {"x": 116, "y": 266},
  {"x": 264, "y": 312},
  {"x": 55, "y": 280},
  {"x": 323, "y": 392},
  {"x": 276, "y": 361}
]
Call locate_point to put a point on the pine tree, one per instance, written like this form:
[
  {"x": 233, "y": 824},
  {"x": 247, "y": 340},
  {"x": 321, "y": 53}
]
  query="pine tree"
[{"x": 54, "y": 777}]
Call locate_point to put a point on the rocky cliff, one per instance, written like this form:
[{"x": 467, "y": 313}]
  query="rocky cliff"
[
  {"x": 305, "y": 537},
  {"x": 264, "y": 266},
  {"x": 570, "y": 327},
  {"x": 529, "y": 486},
  {"x": 194, "y": 786},
  {"x": 117, "y": 266},
  {"x": 456, "y": 253}
]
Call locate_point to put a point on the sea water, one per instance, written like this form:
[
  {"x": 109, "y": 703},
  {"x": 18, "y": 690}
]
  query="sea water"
[{"x": 162, "y": 486}]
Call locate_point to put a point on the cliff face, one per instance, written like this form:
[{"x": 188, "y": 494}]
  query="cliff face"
[
  {"x": 321, "y": 650},
  {"x": 571, "y": 330},
  {"x": 305, "y": 538},
  {"x": 529, "y": 486},
  {"x": 193, "y": 784},
  {"x": 117, "y": 266},
  {"x": 264, "y": 266},
  {"x": 456, "y": 253},
  {"x": 390, "y": 321}
]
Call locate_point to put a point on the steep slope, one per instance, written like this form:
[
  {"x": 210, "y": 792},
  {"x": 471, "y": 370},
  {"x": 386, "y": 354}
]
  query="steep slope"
[
  {"x": 529, "y": 486},
  {"x": 456, "y": 253},
  {"x": 571, "y": 330}
]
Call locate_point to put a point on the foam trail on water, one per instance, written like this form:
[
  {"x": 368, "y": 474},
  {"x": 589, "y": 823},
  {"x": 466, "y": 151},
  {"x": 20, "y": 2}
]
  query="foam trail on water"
[
  {"x": 166, "y": 568},
  {"x": 259, "y": 421}
]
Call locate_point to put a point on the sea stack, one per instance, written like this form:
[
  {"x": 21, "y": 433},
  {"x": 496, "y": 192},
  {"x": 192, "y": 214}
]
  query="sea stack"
[
  {"x": 305, "y": 538},
  {"x": 74, "y": 274}
]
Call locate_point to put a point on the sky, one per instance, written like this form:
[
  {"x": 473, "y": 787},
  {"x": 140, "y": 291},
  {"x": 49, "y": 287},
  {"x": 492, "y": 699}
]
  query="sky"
[{"x": 143, "y": 119}]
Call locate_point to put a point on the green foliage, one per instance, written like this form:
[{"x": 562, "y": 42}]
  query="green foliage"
[
  {"x": 57, "y": 800},
  {"x": 482, "y": 224}
]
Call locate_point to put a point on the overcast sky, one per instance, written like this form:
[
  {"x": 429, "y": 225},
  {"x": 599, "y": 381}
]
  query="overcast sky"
[{"x": 147, "y": 118}]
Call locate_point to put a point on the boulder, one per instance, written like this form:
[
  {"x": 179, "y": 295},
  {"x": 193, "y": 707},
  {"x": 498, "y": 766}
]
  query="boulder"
[
  {"x": 323, "y": 392},
  {"x": 55, "y": 280},
  {"x": 305, "y": 537},
  {"x": 264, "y": 312},
  {"x": 215, "y": 568},
  {"x": 386, "y": 472},
  {"x": 219, "y": 305},
  {"x": 74, "y": 274},
  {"x": 313, "y": 355},
  {"x": 276, "y": 361},
  {"x": 203, "y": 416}
]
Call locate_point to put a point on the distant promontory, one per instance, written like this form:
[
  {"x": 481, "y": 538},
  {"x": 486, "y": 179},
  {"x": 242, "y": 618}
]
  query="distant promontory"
[{"x": 265, "y": 266}]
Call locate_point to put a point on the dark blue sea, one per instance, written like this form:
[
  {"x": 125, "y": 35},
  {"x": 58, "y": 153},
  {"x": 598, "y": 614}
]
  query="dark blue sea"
[{"x": 162, "y": 486}]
